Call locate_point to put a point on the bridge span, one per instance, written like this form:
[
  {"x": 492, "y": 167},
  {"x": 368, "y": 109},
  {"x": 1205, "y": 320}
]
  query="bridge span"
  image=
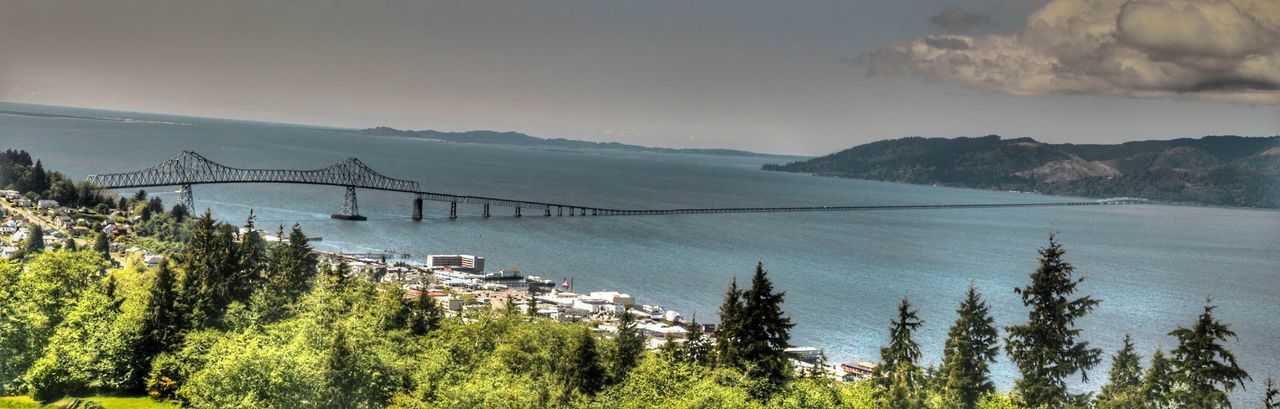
[{"x": 189, "y": 168}]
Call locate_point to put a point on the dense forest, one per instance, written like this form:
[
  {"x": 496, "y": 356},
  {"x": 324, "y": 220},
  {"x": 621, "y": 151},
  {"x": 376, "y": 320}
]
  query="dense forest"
[{"x": 1214, "y": 170}]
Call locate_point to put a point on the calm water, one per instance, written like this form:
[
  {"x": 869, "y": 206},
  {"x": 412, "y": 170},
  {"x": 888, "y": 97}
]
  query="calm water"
[{"x": 1152, "y": 266}]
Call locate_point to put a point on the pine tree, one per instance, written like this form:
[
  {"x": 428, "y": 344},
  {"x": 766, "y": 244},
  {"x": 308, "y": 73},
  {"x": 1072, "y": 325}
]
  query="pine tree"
[
  {"x": 70, "y": 245},
  {"x": 972, "y": 345},
  {"x": 764, "y": 334},
  {"x": 697, "y": 347},
  {"x": 424, "y": 315},
  {"x": 140, "y": 195},
  {"x": 1157, "y": 381},
  {"x": 729, "y": 331},
  {"x": 35, "y": 240},
  {"x": 146, "y": 214},
  {"x": 123, "y": 204},
  {"x": 292, "y": 267},
  {"x": 1124, "y": 388},
  {"x": 253, "y": 257},
  {"x": 628, "y": 347},
  {"x": 209, "y": 262},
  {"x": 163, "y": 318},
  {"x": 1047, "y": 348},
  {"x": 1271, "y": 395},
  {"x": 102, "y": 245},
  {"x": 1205, "y": 371},
  {"x": 583, "y": 371},
  {"x": 179, "y": 213},
  {"x": 342, "y": 373},
  {"x": 898, "y": 380}
]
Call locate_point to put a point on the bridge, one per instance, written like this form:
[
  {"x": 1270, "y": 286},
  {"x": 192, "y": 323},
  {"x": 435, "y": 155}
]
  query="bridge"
[{"x": 189, "y": 168}]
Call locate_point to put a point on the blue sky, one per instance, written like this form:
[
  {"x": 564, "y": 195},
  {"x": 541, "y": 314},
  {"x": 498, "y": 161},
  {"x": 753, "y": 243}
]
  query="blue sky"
[{"x": 803, "y": 77}]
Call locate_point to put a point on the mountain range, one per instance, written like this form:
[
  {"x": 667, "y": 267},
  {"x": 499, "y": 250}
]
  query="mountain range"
[
  {"x": 520, "y": 139},
  {"x": 1213, "y": 170}
]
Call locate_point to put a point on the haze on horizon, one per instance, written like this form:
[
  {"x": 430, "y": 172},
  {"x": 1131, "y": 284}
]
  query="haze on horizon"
[{"x": 805, "y": 77}]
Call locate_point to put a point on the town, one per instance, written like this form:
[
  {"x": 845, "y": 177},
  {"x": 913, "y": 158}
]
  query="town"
[{"x": 458, "y": 283}]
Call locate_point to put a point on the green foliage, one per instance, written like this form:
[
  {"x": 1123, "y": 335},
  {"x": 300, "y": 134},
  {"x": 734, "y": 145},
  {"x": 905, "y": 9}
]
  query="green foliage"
[
  {"x": 754, "y": 333},
  {"x": 1157, "y": 381},
  {"x": 1205, "y": 371},
  {"x": 163, "y": 315},
  {"x": 972, "y": 344},
  {"x": 1046, "y": 349},
  {"x": 35, "y": 240},
  {"x": 38, "y": 298},
  {"x": 898, "y": 380},
  {"x": 208, "y": 263},
  {"x": 627, "y": 348},
  {"x": 1124, "y": 386},
  {"x": 1271, "y": 394},
  {"x": 424, "y": 314}
]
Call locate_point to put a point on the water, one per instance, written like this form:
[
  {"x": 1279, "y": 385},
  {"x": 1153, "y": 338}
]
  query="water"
[{"x": 1152, "y": 266}]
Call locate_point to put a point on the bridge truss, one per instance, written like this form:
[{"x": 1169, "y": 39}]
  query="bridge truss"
[{"x": 190, "y": 168}]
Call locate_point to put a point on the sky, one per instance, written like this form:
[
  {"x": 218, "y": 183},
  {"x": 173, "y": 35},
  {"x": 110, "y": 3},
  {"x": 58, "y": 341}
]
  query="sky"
[{"x": 798, "y": 77}]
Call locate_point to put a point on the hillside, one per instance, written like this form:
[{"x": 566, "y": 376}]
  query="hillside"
[
  {"x": 520, "y": 139},
  {"x": 1213, "y": 170}
]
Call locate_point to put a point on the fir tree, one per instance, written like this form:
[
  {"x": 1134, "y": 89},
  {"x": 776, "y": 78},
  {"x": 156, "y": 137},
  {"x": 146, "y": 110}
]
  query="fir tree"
[
  {"x": 253, "y": 257},
  {"x": 1157, "y": 381},
  {"x": 763, "y": 334},
  {"x": 140, "y": 195},
  {"x": 1271, "y": 395},
  {"x": 209, "y": 262},
  {"x": 292, "y": 267},
  {"x": 898, "y": 379},
  {"x": 1124, "y": 388},
  {"x": 342, "y": 373},
  {"x": 1205, "y": 371},
  {"x": 146, "y": 214},
  {"x": 163, "y": 318},
  {"x": 627, "y": 348},
  {"x": 1047, "y": 348},
  {"x": 102, "y": 245},
  {"x": 697, "y": 347},
  {"x": 972, "y": 344},
  {"x": 35, "y": 240},
  {"x": 583, "y": 371},
  {"x": 729, "y": 330},
  {"x": 123, "y": 204},
  {"x": 424, "y": 315},
  {"x": 179, "y": 213},
  {"x": 70, "y": 245}
]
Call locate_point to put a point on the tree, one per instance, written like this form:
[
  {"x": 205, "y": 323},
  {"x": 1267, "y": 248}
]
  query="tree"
[
  {"x": 1205, "y": 371},
  {"x": 730, "y": 330},
  {"x": 1271, "y": 396},
  {"x": 253, "y": 257},
  {"x": 424, "y": 315},
  {"x": 1157, "y": 382},
  {"x": 341, "y": 371},
  {"x": 102, "y": 245},
  {"x": 1124, "y": 385},
  {"x": 179, "y": 213},
  {"x": 140, "y": 195},
  {"x": 899, "y": 381},
  {"x": 292, "y": 266},
  {"x": 972, "y": 345},
  {"x": 123, "y": 205},
  {"x": 70, "y": 245},
  {"x": 209, "y": 261},
  {"x": 163, "y": 314},
  {"x": 585, "y": 375},
  {"x": 1047, "y": 348},
  {"x": 35, "y": 240},
  {"x": 697, "y": 347},
  {"x": 628, "y": 347}
]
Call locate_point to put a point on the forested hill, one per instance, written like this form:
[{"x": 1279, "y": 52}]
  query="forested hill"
[
  {"x": 520, "y": 139},
  {"x": 1214, "y": 170}
]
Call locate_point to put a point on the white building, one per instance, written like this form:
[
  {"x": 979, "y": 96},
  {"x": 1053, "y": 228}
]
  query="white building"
[
  {"x": 614, "y": 297},
  {"x": 47, "y": 204}
]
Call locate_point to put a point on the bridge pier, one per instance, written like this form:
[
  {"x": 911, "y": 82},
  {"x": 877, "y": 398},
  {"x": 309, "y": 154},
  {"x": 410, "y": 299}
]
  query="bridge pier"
[
  {"x": 486, "y": 210},
  {"x": 559, "y": 211},
  {"x": 593, "y": 212},
  {"x": 185, "y": 199},
  {"x": 453, "y": 210},
  {"x": 417, "y": 208},
  {"x": 350, "y": 208},
  {"x": 517, "y": 211},
  {"x": 546, "y": 212}
]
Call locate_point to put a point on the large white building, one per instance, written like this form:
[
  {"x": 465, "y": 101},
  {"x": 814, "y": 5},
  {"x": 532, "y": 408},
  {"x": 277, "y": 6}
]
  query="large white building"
[{"x": 456, "y": 262}]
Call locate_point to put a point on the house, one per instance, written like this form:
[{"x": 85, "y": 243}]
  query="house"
[
  {"x": 10, "y": 194},
  {"x": 8, "y": 251},
  {"x": 804, "y": 354},
  {"x": 23, "y": 202},
  {"x": 857, "y": 371},
  {"x": 152, "y": 259},
  {"x": 47, "y": 204},
  {"x": 64, "y": 222}
]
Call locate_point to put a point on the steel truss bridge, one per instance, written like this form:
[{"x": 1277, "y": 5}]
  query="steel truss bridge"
[{"x": 190, "y": 168}]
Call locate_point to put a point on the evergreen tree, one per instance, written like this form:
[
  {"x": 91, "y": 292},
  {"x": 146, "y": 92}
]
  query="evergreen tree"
[
  {"x": 1124, "y": 388},
  {"x": 35, "y": 240},
  {"x": 102, "y": 245},
  {"x": 209, "y": 262},
  {"x": 123, "y": 205},
  {"x": 146, "y": 214},
  {"x": 253, "y": 258},
  {"x": 1047, "y": 348},
  {"x": 730, "y": 329},
  {"x": 342, "y": 372},
  {"x": 584, "y": 373},
  {"x": 1157, "y": 382},
  {"x": 628, "y": 347},
  {"x": 140, "y": 195},
  {"x": 179, "y": 213},
  {"x": 1205, "y": 372},
  {"x": 898, "y": 380},
  {"x": 1271, "y": 395},
  {"x": 163, "y": 320},
  {"x": 697, "y": 347},
  {"x": 972, "y": 344},
  {"x": 424, "y": 314},
  {"x": 292, "y": 267},
  {"x": 70, "y": 245}
]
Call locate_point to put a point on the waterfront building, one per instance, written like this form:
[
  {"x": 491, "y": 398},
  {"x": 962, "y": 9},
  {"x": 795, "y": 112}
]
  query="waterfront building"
[{"x": 464, "y": 262}]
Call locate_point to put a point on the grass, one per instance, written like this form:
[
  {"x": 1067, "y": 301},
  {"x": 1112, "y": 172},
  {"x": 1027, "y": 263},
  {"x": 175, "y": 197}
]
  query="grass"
[{"x": 108, "y": 402}]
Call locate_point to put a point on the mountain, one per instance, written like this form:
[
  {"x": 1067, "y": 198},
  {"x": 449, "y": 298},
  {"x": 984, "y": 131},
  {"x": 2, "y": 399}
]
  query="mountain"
[
  {"x": 520, "y": 139},
  {"x": 1213, "y": 170}
]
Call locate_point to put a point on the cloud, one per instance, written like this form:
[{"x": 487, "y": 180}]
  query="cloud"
[
  {"x": 1221, "y": 50},
  {"x": 957, "y": 21}
]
